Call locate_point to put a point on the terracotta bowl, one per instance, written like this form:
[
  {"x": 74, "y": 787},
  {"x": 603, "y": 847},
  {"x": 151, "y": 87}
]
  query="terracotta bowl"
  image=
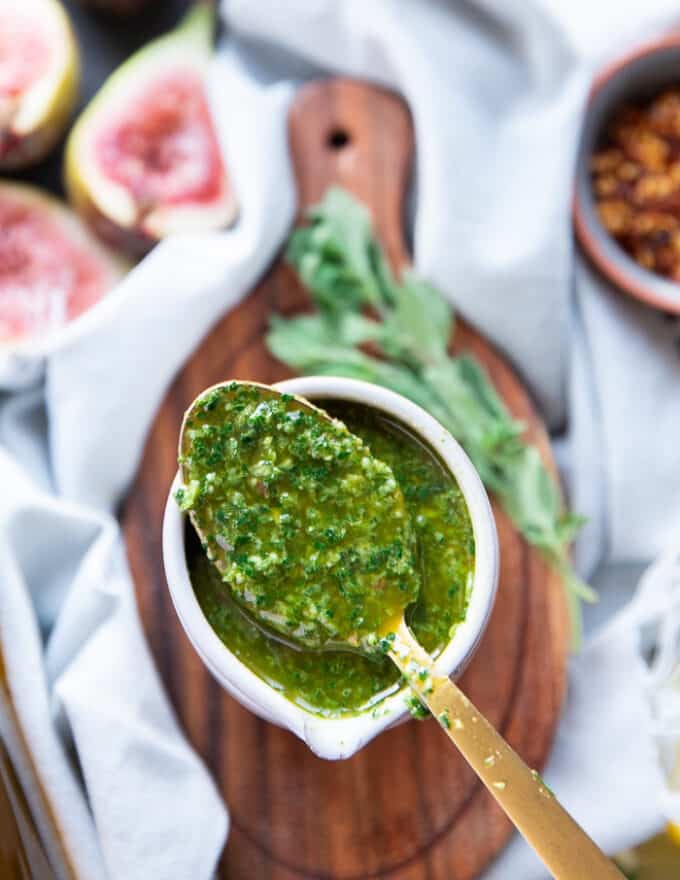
[{"x": 638, "y": 75}]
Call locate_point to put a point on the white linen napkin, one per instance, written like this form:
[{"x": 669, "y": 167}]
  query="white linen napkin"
[
  {"x": 496, "y": 91},
  {"x": 72, "y": 427}
]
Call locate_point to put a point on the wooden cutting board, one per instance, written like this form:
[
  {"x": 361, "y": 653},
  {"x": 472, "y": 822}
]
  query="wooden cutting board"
[{"x": 406, "y": 806}]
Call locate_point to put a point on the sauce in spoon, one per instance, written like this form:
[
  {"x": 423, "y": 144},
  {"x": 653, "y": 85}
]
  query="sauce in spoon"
[{"x": 308, "y": 529}]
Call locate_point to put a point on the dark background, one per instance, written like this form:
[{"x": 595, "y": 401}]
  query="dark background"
[{"x": 105, "y": 41}]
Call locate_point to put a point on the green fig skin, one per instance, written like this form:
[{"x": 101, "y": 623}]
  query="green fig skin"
[
  {"x": 194, "y": 34},
  {"x": 21, "y": 150}
]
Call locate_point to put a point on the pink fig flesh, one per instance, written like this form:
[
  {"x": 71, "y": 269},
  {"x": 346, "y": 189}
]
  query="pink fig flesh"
[
  {"x": 24, "y": 53},
  {"x": 39, "y": 74},
  {"x": 50, "y": 270},
  {"x": 24, "y": 58},
  {"x": 163, "y": 149}
]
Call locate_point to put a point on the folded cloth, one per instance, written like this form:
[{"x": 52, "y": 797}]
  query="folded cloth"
[
  {"x": 604, "y": 760},
  {"x": 80, "y": 679},
  {"x": 496, "y": 90}
]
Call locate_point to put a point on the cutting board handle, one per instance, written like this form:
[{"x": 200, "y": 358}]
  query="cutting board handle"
[{"x": 359, "y": 136}]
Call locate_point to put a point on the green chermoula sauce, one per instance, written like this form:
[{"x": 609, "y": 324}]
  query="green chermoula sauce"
[
  {"x": 308, "y": 529},
  {"x": 338, "y": 682}
]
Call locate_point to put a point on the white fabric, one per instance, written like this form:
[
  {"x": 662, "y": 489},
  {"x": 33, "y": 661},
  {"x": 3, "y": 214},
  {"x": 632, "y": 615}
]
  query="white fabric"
[
  {"x": 71, "y": 433},
  {"x": 496, "y": 89}
]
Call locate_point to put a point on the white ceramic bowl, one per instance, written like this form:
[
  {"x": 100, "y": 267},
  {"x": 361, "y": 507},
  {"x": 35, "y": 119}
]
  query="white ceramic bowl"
[{"x": 335, "y": 738}]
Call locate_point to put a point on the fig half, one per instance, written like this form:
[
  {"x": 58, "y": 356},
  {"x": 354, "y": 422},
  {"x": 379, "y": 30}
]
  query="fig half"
[
  {"x": 39, "y": 73},
  {"x": 143, "y": 160},
  {"x": 52, "y": 269}
]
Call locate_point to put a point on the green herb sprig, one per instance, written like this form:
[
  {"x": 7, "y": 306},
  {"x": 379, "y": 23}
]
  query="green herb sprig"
[{"x": 363, "y": 308}]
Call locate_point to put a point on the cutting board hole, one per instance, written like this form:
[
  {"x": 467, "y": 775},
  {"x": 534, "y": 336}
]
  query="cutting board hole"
[{"x": 338, "y": 139}]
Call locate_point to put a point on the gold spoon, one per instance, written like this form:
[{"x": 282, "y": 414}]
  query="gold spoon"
[
  {"x": 560, "y": 842},
  {"x": 566, "y": 850}
]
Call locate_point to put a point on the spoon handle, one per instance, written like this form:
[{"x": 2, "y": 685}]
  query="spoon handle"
[{"x": 561, "y": 843}]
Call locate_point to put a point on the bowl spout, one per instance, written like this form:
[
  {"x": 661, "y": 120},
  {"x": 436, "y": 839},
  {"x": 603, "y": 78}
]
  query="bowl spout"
[{"x": 336, "y": 740}]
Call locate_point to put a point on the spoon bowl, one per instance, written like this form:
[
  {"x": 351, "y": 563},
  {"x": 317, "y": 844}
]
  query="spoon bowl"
[{"x": 309, "y": 530}]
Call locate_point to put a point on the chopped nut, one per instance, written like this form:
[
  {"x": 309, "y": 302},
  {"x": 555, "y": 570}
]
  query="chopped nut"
[
  {"x": 606, "y": 161},
  {"x": 650, "y": 222},
  {"x": 653, "y": 186},
  {"x": 649, "y": 149},
  {"x": 615, "y": 216},
  {"x": 636, "y": 181},
  {"x": 606, "y": 185},
  {"x": 664, "y": 113},
  {"x": 628, "y": 171}
]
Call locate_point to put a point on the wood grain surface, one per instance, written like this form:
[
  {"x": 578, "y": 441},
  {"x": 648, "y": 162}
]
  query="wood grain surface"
[{"x": 406, "y": 806}]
